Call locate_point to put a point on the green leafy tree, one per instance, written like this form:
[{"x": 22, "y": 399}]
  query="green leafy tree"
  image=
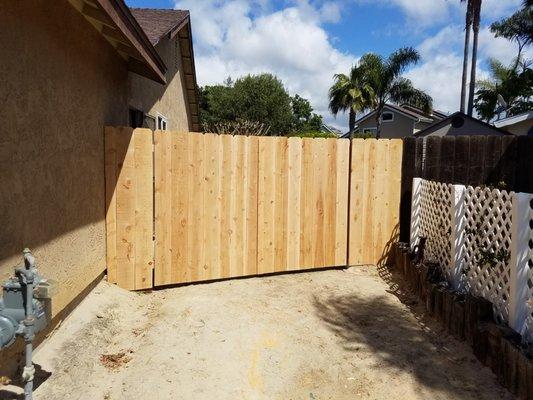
[
  {"x": 216, "y": 104},
  {"x": 351, "y": 93},
  {"x": 255, "y": 100},
  {"x": 517, "y": 28},
  {"x": 304, "y": 117},
  {"x": 514, "y": 84},
  {"x": 262, "y": 98},
  {"x": 384, "y": 77}
]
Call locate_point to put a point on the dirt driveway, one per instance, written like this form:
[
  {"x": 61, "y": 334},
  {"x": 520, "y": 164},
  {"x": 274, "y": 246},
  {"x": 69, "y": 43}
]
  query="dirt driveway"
[{"x": 321, "y": 335}]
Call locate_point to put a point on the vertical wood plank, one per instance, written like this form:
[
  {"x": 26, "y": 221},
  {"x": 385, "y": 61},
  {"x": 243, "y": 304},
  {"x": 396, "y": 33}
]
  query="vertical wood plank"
[
  {"x": 317, "y": 205},
  {"x": 227, "y": 180},
  {"x": 251, "y": 185},
  {"x": 330, "y": 201},
  {"x": 280, "y": 205},
  {"x": 266, "y": 198},
  {"x": 306, "y": 206},
  {"x": 341, "y": 202},
  {"x": 293, "y": 196},
  {"x": 369, "y": 179},
  {"x": 380, "y": 200},
  {"x": 395, "y": 189},
  {"x": 111, "y": 203},
  {"x": 126, "y": 209},
  {"x": 178, "y": 214},
  {"x": 358, "y": 168},
  {"x": 144, "y": 246}
]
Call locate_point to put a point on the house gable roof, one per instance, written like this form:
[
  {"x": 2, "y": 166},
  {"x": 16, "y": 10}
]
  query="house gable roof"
[
  {"x": 429, "y": 130},
  {"x": 418, "y": 117},
  {"x": 115, "y": 22},
  {"x": 157, "y": 23}
]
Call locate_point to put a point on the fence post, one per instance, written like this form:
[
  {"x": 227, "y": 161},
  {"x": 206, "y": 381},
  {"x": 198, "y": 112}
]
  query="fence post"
[
  {"x": 518, "y": 263},
  {"x": 458, "y": 224},
  {"x": 415, "y": 211}
]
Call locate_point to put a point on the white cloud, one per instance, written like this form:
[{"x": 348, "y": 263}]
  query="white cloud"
[
  {"x": 235, "y": 38},
  {"x": 440, "y": 72}
]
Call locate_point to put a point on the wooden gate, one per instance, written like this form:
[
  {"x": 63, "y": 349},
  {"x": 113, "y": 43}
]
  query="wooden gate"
[{"x": 189, "y": 207}]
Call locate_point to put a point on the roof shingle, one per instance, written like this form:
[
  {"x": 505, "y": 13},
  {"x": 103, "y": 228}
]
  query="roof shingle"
[{"x": 156, "y": 23}]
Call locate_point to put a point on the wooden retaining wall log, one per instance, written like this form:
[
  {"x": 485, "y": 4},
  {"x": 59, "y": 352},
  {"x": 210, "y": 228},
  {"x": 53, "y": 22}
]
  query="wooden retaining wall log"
[
  {"x": 458, "y": 317},
  {"x": 477, "y": 309},
  {"x": 430, "y": 300}
]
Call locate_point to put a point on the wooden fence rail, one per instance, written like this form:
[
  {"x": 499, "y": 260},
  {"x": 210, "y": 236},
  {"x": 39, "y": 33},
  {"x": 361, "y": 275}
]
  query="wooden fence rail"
[{"x": 217, "y": 206}]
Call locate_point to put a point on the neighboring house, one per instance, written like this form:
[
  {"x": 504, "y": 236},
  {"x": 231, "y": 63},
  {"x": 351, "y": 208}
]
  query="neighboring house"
[
  {"x": 169, "y": 31},
  {"x": 521, "y": 124},
  {"x": 397, "y": 121},
  {"x": 461, "y": 124},
  {"x": 69, "y": 68}
]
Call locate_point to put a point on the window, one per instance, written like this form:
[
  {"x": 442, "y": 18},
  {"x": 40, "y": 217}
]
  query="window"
[
  {"x": 136, "y": 118},
  {"x": 387, "y": 117},
  {"x": 162, "y": 123}
]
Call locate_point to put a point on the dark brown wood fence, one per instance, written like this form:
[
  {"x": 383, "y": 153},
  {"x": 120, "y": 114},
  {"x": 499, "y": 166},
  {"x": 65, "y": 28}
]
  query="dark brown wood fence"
[{"x": 467, "y": 160}]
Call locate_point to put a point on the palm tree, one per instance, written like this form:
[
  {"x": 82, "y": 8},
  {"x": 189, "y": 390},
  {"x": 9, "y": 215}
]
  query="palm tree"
[
  {"x": 476, "y": 17},
  {"x": 468, "y": 26},
  {"x": 350, "y": 92},
  {"x": 512, "y": 83},
  {"x": 384, "y": 77}
]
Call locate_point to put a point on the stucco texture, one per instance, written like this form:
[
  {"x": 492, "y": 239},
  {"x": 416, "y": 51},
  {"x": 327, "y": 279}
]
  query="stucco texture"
[
  {"x": 152, "y": 97},
  {"x": 61, "y": 84}
]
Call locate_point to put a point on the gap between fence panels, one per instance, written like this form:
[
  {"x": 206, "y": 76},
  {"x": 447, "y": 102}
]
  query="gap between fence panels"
[{"x": 188, "y": 207}]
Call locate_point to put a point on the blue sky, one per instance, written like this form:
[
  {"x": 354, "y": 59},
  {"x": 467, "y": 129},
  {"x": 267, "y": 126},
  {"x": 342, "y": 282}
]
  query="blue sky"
[{"x": 304, "y": 42}]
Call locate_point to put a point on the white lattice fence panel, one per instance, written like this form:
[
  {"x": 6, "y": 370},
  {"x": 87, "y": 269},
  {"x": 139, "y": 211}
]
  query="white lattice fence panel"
[
  {"x": 487, "y": 245},
  {"x": 529, "y": 302},
  {"x": 435, "y": 222}
]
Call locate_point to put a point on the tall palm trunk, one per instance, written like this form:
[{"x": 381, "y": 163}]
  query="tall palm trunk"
[
  {"x": 468, "y": 26},
  {"x": 476, "y": 16},
  {"x": 351, "y": 121}
]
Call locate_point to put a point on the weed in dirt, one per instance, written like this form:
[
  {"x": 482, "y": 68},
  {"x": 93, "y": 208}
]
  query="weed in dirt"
[{"x": 117, "y": 360}]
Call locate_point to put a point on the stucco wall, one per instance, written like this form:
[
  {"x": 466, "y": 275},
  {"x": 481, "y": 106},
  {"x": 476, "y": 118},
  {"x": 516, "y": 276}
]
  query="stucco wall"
[
  {"x": 152, "y": 97},
  {"x": 399, "y": 128},
  {"x": 61, "y": 82}
]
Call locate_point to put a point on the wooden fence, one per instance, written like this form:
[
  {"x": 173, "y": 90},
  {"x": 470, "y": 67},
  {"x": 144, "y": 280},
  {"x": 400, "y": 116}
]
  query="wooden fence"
[
  {"x": 466, "y": 160},
  {"x": 217, "y": 206}
]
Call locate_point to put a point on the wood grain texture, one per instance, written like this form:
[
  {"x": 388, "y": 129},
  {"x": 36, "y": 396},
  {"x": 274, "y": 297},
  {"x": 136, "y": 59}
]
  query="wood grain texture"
[
  {"x": 111, "y": 203},
  {"x": 230, "y": 206},
  {"x": 129, "y": 216},
  {"x": 375, "y": 191}
]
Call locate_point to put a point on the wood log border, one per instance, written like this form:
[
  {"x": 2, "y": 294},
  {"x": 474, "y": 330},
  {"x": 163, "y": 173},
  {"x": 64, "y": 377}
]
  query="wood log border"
[{"x": 470, "y": 318}]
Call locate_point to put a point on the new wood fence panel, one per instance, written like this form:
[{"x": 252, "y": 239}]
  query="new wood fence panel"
[
  {"x": 375, "y": 189},
  {"x": 129, "y": 217},
  {"x": 302, "y": 203},
  {"x": 234, "y": 206},
  {"x": 206, "y": 206}
]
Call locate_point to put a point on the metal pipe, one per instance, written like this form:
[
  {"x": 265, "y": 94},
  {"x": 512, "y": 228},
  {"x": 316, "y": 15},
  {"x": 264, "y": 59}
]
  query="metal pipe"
[{"x": 29, "y": 370}]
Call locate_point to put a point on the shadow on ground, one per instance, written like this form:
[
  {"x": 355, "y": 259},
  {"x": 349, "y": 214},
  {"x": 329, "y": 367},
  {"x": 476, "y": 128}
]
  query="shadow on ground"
[
  {"x": 40, "y": 377},
  {"x": 405, "y": 340}
]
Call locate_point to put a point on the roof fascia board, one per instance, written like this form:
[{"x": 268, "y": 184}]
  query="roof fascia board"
[{"x": 128, "y": 25}]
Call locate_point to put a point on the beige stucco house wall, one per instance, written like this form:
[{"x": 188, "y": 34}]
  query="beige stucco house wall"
[
  {"x": 61, "y": 84},
  {"x": 147, "y": 96}
]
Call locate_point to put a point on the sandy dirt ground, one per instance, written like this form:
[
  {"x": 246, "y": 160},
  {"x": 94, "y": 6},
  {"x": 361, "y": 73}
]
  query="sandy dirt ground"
[{"x": 322, "y": 335}]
